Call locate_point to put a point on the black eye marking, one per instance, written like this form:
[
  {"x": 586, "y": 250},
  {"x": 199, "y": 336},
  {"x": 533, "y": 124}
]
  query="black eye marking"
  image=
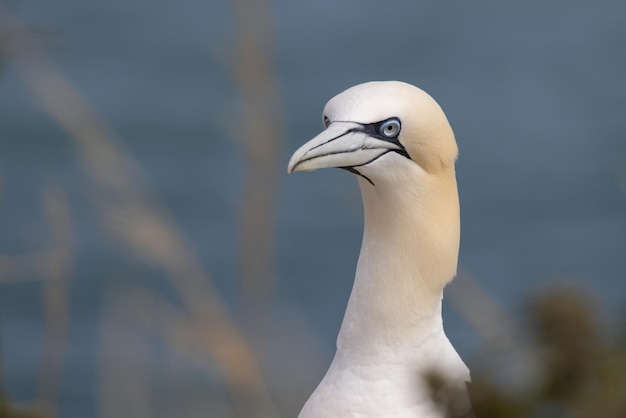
[
  {"x": 387, "y": 130},
  {"x": 326, "y": 122}
]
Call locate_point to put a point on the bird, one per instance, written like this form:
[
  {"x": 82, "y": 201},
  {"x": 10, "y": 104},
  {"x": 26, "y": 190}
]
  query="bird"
[{"x": 398, "y": 142}]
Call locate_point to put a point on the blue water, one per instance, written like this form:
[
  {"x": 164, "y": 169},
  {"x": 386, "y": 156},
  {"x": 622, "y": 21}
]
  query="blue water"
[{"x": 535, "y": 92}]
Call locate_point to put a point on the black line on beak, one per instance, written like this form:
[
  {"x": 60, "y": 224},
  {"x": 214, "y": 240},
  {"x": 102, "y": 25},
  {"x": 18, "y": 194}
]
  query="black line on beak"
[{"x": 349, "y": 131}]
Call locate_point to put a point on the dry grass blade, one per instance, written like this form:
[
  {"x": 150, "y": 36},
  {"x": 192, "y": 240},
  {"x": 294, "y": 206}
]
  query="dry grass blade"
[
  {"x": 483, "y": 312},
  {"x": 261, "y": 145},
  {"x": 132, "y": 214},
  {"x": 56, "y": 301},
  {"x": 512, "y": 359},
  {"x": 123, "y": 388}
]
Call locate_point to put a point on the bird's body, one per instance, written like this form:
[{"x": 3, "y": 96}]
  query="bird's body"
[{"x": 398, "y": 141}]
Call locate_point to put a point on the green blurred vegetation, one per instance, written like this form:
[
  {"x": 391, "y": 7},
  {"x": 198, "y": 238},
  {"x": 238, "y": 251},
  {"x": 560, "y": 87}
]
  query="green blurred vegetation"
[{"x": 580, "y": 365}]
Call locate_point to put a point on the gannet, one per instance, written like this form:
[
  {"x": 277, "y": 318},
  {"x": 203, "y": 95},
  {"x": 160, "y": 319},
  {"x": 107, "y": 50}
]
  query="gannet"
[{"x": 398, "y": 142}]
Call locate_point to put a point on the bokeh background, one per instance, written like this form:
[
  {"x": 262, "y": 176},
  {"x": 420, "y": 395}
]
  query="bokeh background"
[{"x": 155, "y": 261}]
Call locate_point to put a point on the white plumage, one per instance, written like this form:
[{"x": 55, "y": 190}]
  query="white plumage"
[{"x": 398, "y": 141}]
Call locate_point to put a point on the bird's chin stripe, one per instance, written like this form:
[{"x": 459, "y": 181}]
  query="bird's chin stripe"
[
  {"x": 358, "y": 173},
  {"x": 355, "y": 171}
]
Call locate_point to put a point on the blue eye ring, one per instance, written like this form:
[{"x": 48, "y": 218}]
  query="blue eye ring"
[
  {"x": 390, "y": 128},
  {"x": 326, "y": 122}
]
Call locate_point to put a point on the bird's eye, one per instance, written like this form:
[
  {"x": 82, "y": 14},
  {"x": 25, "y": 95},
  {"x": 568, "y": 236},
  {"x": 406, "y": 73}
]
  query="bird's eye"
[
  {"x": 390, "y": 128},
  {"x": 326, "y": 121}
]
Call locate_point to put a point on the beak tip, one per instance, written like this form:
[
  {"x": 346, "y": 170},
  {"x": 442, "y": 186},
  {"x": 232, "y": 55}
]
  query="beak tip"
[
  {"x": 324, "y": 152},
  {"x": 294, "y": 161},
  {"x": 292, "y": 169}
]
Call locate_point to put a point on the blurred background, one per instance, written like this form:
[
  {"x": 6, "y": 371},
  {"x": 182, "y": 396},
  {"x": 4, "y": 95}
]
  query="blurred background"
[{"x": 155, "y": 261}]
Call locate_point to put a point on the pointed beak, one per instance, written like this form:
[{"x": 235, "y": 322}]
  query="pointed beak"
[{"x": 342, "y": 144}]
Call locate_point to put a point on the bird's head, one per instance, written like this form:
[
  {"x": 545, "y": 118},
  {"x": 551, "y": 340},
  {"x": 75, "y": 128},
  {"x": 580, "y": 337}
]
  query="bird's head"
[{"x": 377, "y": 125}]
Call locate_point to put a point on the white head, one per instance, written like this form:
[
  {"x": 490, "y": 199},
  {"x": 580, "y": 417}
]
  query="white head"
[
  {"x": 374, "y": 122},
  {"x": 397, "y": 139}
]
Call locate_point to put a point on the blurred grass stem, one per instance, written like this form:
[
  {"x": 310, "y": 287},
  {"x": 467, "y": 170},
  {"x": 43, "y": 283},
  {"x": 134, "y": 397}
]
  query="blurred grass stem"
[
  {"x": 130, "y": 211},
  {"x": 261, "y": 141}
]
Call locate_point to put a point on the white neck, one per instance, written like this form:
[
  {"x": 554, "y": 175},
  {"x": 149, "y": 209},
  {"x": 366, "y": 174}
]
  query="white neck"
[
  {"x": 392, "y": 329},
  {"x": 409, "y": 253}
]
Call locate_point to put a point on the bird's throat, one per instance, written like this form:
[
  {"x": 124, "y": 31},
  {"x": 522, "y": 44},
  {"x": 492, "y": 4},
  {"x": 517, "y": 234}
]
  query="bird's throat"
[{"x": 408, "y": 254}]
